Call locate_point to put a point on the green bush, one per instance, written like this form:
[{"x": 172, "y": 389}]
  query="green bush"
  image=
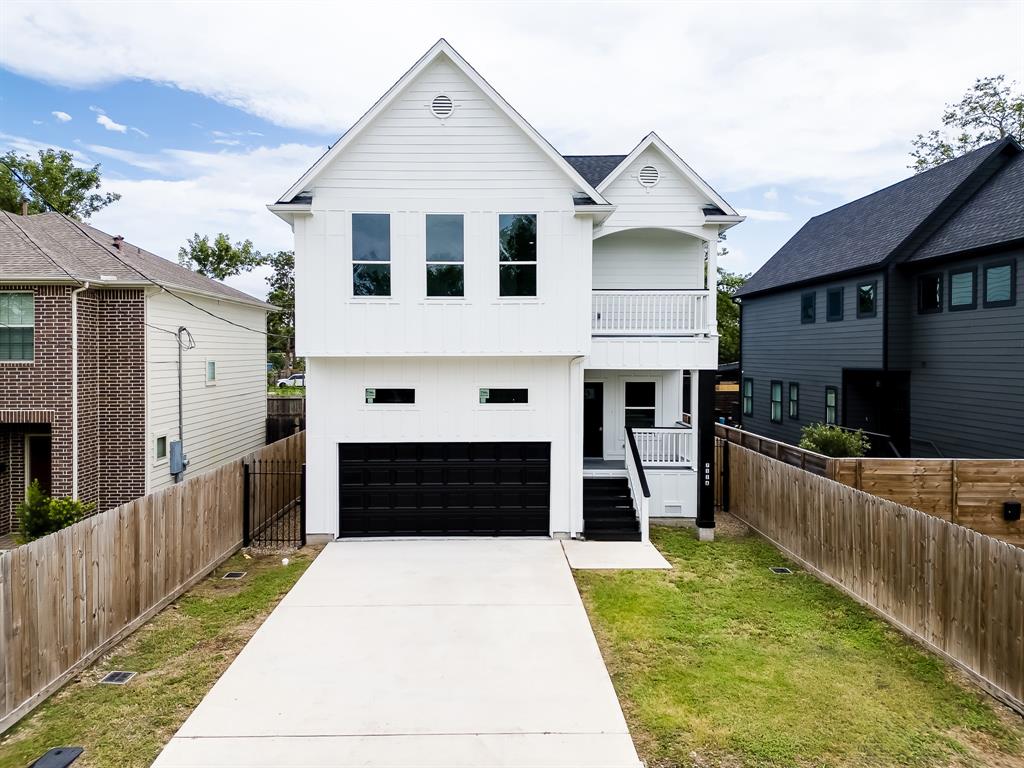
[
  {"x": 40, "y": 515},
  {"x": 834, "y": 441}
]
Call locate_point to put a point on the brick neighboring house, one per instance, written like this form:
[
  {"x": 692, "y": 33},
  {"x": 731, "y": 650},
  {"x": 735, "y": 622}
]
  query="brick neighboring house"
[{"x": 82, "y": 312}]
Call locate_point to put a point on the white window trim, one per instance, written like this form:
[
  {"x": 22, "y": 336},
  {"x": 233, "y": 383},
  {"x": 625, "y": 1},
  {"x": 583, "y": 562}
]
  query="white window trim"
[
  {"x": 206, "y": 372},
  {"x": 27, "y": 464},
  {"x": 428, "y": 264},
  {"x": 352, "y": 261},
  {"x": 158, "y": 461},
  {"x": 535, "y": 299},
  {"x": 31, "y": 360}
]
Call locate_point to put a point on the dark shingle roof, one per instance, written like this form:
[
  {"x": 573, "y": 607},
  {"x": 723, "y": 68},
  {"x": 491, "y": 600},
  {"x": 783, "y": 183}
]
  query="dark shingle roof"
[
  {"x": 594, "y": 168},
  {"x": 994, "y": 215},
  {"x": 30, "y": 246},
  {"x": 864, "y": 233}
]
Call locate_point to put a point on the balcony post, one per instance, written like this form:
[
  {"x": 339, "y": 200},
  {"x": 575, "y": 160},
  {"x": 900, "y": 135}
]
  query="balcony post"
[{"x": 712, "y": 285}]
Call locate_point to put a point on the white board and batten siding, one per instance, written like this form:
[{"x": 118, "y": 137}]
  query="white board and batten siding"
[
  {"x": 648, "y": 259},
  {"x": 408, "y": 163},
  {"x": 222, "y": 420}
]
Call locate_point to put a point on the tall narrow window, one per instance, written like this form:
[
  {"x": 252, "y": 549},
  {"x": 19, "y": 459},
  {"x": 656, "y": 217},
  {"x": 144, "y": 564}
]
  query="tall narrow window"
[
  {"x": 961, "y": 289},
  {"x": 748, "y": 397},
  {"x": 445, "y": 254},
  {"x": 929, "y": 293},
  {"x": 776, "y": 411},
  {"x": 807, "y": 308},
  {"x": 831, "y": 404},
  {"x": 17, "y": 326},
  {"x": 517, "y": 254},
  {"x": 866, "y": 293},
  {"x": 371, "y": 254},
  {"x": 1000, "y": 287},
  {"x": 794, "y": 400},
  {"x": 211, "y": 371},
  {"x": 640, "y": 403},
  {"x": 834, "y": 304}
]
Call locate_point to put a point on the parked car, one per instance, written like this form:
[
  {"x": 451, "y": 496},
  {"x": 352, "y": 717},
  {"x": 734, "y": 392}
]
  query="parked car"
[{"x": 295, "y": 380}]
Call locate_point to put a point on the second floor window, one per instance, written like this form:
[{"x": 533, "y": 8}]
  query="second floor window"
[
  {"x": 807, "y": 308},
  {"x": 866, "y": 293},
  {"x": 517, "y": 254},
  {"x": 834, "y": 304},
  {"x": 961, "y": 289},
  {"x": 999, "y": 285},
  {"x": 794, "y": 400},
  {"x": 776, "y": 412},
  {"x": 748, "y": 397},
  {"x": 371, "y": 254},
  {"x": 929, "y": 293},
  {"x": 445, "y": 255},
  {"x": 831, "y": 405},
  {"x": 17, "y": 326}
]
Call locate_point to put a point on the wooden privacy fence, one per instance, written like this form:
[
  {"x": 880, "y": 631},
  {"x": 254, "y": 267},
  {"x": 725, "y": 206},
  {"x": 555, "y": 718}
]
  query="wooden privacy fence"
[
  {"x": 958, "y": 591},
  {"x": 285, "y": 416},
  {"x": 67, "y": 598},
  {"x": 790, "y": 454}
]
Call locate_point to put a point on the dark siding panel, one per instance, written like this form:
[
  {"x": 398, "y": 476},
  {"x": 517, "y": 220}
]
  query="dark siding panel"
[{"x": 777, "y": 346}]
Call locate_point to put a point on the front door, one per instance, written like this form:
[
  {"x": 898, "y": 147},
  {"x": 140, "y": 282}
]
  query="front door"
[
  {"x": 879, "y": 403},
  {"x": 37, "y": 461},
  {"x": 593, "y": 420}
]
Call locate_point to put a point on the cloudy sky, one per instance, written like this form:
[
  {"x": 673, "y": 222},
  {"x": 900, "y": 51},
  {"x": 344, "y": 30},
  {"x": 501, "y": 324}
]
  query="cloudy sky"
[{"x": 201, "y": 113}]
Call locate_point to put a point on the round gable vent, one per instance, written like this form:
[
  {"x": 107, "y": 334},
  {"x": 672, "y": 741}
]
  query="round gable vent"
[
  {"x": 441, "y": 107},
  {"x": 648, "y": 176}
]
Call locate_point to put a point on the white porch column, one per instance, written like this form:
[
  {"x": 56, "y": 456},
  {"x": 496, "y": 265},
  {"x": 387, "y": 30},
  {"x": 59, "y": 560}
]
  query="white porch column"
[
  {"x": 712, "y": 286},
  {"x": 576, "y": 447}
]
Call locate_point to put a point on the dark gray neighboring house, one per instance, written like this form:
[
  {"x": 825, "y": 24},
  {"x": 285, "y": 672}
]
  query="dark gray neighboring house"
[{"x": 901, "y": 314}]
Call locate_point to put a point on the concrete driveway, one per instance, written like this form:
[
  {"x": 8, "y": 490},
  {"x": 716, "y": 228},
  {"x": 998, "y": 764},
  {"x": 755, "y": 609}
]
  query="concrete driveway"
[{"x": 441, "y": 653}]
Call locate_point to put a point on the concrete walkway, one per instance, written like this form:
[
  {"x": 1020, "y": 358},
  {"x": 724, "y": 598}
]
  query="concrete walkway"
[{"x": 443, "y": 653}]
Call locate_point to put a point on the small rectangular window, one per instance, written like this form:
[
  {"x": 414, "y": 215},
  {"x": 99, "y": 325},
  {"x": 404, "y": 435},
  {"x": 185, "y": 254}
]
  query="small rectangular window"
[
  {"x": 807, "y": 308},
  {"x": 517, "y": 254},
  {"x": 831, "y": 404},
  {"x": 794, "y": 400},
  {"x": 961, "y": 289},
  {"x": 748, "y": 397},
  {"x": 492, "y": 396},
  {"x": 389, "y": 396},
  {"x": 641, "y": 400},
  {"x": 1000, "y": 284},
  {"x": 776, "y": 394},
  {"x": 929, "y": 293},
  {"x": 445, "y": 255},
  {"x": 161, "y": 447},
  {"x": 211, "y": 371},
  {"x": 834, "y": 304},
  {"x": 371, "y": 254},
  {"x": 17, "y": 326},
  {"x": 866, "y": 296}
]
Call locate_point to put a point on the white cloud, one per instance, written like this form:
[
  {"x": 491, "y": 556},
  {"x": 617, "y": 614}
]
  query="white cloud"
[
  {"x": 771, "y": 194},
  {"x": 110, "y": 125},
  {"x": 227, "y": 142},
  {"x": 753, "y": 214},
  {"x": 805, "y": 200},
  {"x": 64, "y": 117},
  {"x": 37, "y": 122}
]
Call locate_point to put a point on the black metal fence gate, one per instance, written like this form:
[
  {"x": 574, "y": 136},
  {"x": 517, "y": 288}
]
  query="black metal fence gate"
[{"x": 274, "y": 504}]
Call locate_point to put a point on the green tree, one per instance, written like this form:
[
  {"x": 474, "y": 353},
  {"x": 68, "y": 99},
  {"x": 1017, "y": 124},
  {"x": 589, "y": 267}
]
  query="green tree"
[
  {"x": 990, "y": 111},
  {"x": 281, "y": 324},
  {"x": 728, "y": 314},
  {"x": 219, "y": 259},
  {"x": 55, "y": 178}
]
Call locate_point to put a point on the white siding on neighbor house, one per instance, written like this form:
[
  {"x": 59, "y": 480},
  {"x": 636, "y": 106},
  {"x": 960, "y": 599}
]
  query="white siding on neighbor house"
[
  {"x": 447, "y": 409},
  {"x": 222, "y": 421},
  {"x": 653, "y": 259}
]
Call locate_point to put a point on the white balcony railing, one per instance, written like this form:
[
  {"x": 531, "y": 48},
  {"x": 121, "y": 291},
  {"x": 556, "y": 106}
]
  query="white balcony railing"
[
  {"x": 665, "y": 446},
  {"x": 650, "y": 313}
]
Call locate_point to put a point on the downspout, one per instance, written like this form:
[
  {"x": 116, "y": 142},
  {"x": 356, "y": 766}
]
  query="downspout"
[
  {"x": 181, "y": 406},
  {"x": 74, "y": 388}
]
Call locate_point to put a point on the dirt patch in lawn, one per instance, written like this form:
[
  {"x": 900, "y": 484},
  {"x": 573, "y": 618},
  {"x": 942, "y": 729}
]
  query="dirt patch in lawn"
[
  {"x": 178, "y": 656},
  {"x": 720, "y": 662}
]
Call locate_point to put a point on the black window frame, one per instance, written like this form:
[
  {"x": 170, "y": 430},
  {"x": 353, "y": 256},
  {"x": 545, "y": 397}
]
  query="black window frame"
[
  {"x": 358, "y": 264},
  {"x": 508, "y": 265},
  {"x": 394, "y": 395},
  {"x": 794, "y": 401},
  {"x": 834, "y": 391},
  {"x": 831, "y": 317},
  {"x": 973, "y": 272},
  {"x": 506, "y": 395},
  {"x": 434, "y": 265},
  {"x": 1012, "y": 264},
  {"x": 813, "y": 296},
  {"x": 775, "y": 406},
  {"x": 747, "y": 399},
  {"x": 873, "y": 285},
  {"x": 921, "y": 309}
]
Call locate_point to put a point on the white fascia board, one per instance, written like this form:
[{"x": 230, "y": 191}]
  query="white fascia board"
[
  {"x": 653, "y": 140},
  {"x": 286, "y": 211},
  {"x": 441, "y": 47},
  {"x": 600, "y": 213},
  {"x": 724, "y": 222}
]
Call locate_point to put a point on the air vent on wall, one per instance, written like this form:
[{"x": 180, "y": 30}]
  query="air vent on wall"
[
  {"x": 648, "y": 176},
  {"x": 441, "y": 107}
]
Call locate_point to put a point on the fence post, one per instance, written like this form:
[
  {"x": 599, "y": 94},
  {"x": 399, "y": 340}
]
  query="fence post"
[
  {"x": 302, "y": 506},
  {"x": 245, "y": 504},
  {"x": 725, "y": 477}
]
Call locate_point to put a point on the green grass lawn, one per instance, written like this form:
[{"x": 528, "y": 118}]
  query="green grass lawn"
[
  {"x": 178, "y": 655},
  {"x": 275, "y": 391},
  {"x": 720, "y": 662}
]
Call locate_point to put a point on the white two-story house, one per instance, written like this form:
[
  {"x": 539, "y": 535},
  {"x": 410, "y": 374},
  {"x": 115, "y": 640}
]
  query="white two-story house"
[{"x": 501, "y": 340}]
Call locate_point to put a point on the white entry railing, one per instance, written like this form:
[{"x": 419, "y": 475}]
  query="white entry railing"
[
  {"x": 650, "y": 313},
  {"x": 665, "y": 446},
  {"x": 638, "y": 487}
]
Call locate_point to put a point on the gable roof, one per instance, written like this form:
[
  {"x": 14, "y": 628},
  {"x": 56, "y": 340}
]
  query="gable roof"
[
  {"x": 594, "y": 168},
  {"x": 865, "y": 233},
  {"x": 992, "y": 216},
  {"x": 48, "y": 247},
  {"x": 441, "y": 48}
]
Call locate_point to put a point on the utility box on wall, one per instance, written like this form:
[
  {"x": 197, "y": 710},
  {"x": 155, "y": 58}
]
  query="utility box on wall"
[
  {"x": 178, "y": 462},
  {"x": 1011, "y": 511}
]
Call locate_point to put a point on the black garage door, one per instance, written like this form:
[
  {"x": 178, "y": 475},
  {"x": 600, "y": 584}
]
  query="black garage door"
[{"x": 432, "y": 489}]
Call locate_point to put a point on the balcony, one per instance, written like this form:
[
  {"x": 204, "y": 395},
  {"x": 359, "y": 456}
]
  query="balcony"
[{"x": 650, "y": 313}]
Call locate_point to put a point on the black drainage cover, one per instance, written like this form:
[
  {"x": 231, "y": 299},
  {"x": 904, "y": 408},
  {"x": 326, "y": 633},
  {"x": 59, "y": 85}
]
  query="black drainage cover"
[
  {"x": 58, "y": 757},
  {"x": 117, "y": 678},
  {"x": 778, "y": 569},
  {"x": 234, "y": 574}
]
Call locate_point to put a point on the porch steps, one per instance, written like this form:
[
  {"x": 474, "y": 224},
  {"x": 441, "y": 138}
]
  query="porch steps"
[{"x": 608, "y": 511}]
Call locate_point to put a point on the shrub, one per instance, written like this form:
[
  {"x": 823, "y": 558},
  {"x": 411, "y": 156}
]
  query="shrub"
[
  {"x": 834, "y": 441},
  {"x": 40, "y": 515}
]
